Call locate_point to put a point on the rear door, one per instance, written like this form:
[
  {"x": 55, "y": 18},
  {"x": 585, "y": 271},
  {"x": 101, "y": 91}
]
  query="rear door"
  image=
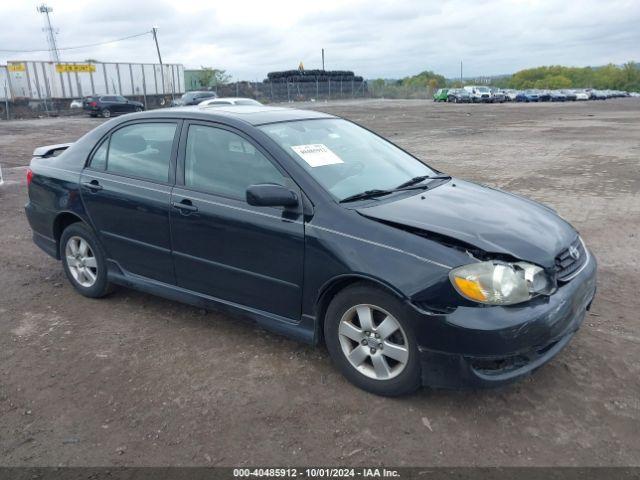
[
  {"x": 126, "y": 189},
  {"x": 222, "y": 246}
]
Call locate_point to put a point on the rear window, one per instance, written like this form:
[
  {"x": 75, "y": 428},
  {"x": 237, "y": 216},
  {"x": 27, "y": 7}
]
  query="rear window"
[{"x": 141, "y": 150}]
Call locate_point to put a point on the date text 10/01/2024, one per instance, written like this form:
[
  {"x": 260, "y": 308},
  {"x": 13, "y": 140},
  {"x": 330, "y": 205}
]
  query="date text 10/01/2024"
[{"x": 315, "y": 472}]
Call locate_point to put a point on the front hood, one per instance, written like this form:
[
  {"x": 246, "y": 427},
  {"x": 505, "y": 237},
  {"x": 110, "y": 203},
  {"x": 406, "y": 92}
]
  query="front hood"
[{"x": 488, "y": 219}]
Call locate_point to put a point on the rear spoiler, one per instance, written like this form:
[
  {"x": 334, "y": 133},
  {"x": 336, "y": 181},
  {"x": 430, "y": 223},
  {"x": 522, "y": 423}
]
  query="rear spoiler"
[{"x": 51, "y": 150}]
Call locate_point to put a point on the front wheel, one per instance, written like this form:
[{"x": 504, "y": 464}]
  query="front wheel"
[
  {"x": 84, "y": 261},
  {"x": 138, "y": 109},
  {"x": 371, "y": 342},
  {"x": 105, "y": 112}
]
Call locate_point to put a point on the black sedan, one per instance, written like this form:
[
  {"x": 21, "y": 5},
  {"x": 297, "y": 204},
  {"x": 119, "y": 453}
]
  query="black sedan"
[
  {"x": 458, "y": 95},
  {"x": 319, "y": 229},
  {"x": 108, "y": 105}
]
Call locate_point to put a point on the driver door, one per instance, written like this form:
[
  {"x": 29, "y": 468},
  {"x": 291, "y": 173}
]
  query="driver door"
[{"x": 222, "y": 246}]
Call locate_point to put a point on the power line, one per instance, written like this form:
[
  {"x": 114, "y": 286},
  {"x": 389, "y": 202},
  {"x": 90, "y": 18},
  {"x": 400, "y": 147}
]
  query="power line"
[{"x": 79, "y": 46}]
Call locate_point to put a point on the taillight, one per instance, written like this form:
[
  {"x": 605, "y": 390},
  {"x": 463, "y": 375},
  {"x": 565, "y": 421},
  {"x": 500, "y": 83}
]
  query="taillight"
[
  {"x": 29, "y": 176},
  {"x": 93, "y": 104}
]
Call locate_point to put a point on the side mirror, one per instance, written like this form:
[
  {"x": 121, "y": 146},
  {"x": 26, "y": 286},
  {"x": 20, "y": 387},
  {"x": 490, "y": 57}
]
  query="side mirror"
[{"x": 271, "y": 195}]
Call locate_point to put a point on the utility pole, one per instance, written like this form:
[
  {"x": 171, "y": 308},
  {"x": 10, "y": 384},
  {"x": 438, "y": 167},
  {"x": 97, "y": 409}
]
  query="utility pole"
[
  {"x": 51, "y": 33},
  {"x": 154, "y": 30},
  {"x": 323, "y": 59}
]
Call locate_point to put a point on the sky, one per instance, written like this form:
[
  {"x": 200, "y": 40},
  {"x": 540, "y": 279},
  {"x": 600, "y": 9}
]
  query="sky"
[{"x": 374, "y": 38}]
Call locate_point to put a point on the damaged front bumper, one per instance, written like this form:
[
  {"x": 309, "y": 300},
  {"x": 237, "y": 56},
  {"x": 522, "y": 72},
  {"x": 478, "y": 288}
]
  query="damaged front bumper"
[{"x": 475, "y": 347}]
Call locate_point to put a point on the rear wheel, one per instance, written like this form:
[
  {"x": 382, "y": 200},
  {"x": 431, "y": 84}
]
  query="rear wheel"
[
  {"x": 84, "y": 261},
  {"x": 370, "y": 341},
  {"x": 105, "y": 112}
]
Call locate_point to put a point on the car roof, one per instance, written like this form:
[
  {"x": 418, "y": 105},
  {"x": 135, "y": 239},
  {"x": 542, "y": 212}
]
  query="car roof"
[
  {"x": 232, "y": 99},
  {"x": 251, "y": 114}
]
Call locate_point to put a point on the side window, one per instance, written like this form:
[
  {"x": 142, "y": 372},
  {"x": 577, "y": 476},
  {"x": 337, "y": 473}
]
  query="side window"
[
  {"x": 99, "y": 159},
  {"x": 220, "y": 162},
  {"x": 142, "y": 150}
]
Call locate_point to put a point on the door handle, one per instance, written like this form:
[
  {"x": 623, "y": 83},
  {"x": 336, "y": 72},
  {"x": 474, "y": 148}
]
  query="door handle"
[
  {"x": 93, "y": 185},
  {"x": 185, "y": 205}
]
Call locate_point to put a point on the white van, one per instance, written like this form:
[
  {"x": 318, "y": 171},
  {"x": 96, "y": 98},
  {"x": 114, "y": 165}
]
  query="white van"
[{"x": 479, "y": 94}]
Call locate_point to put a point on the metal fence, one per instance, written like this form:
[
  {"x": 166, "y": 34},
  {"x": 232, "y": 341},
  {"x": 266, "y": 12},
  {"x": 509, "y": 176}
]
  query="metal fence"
[
  {"x": 43, "y": 80},
  {"x": 4, "y": 83}
]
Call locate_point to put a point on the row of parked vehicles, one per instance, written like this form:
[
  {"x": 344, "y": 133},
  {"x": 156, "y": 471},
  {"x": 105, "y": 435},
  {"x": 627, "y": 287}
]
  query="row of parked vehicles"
[
  {"x": 485, "y": 94},
  {"x": 109, "y": 105}
]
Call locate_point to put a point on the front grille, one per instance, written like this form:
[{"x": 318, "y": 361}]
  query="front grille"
[{"x": 566, "y": 264}]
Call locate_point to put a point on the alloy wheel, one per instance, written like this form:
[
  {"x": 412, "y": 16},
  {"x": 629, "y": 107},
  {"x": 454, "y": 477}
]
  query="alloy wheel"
[
  {"x": 373, "y": 342},
  {"x": 81, "y": 261}
]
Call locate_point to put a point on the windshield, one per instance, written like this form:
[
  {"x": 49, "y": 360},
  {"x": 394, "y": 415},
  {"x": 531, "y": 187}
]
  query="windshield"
[
  {"x": 483, "y": 89},
  {"x": 344, "y": 158}
]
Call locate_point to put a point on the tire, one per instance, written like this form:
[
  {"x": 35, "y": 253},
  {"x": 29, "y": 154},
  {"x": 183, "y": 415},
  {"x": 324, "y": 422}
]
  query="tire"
[
  {"x": 138, "y": 109},
  {"x": 89, "y": 279},
  {"x": 105, "y": 112},
  {"x": 397, "y": 366}
]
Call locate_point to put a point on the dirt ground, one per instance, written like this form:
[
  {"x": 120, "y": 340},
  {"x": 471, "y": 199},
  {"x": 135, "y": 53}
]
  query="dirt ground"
[{"x": 137, "y": 380}]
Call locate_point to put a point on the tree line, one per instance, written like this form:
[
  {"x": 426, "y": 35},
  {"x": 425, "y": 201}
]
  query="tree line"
[{"x": 608, "y": 77}]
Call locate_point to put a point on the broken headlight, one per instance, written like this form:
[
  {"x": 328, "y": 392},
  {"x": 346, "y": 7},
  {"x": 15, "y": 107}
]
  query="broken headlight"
[{"x": 500, "y": 283}]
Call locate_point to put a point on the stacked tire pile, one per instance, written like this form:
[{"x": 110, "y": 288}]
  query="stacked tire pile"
[
  {"x": 294, "y": 76},
  {"x": 301, "y": 85}
]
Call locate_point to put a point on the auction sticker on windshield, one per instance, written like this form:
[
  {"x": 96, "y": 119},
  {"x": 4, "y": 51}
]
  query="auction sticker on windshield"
[{"x": 316, "y": 155}]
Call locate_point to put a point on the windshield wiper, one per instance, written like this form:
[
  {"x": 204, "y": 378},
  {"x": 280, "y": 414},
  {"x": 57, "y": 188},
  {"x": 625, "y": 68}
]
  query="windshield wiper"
[
  {"x": 419, "y": 179},
  {"x": 408, "y": 185},
  {"x": 413, "y": 181},
  {"x": 366, "y": 194}
]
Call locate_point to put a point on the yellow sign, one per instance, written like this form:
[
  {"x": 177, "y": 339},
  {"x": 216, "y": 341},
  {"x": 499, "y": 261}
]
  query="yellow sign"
[
  {"x": 75, "y": 67},
  {"x": 16, "y": 67}
]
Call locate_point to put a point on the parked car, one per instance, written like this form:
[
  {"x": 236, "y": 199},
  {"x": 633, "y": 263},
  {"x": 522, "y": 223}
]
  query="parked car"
[
  {"x": 440, "y": 95},
  {"x": 557, "y": 96},
  {"x": 511, "y": 95},
  {"x": 498, "y": 96},
  {"x": 458, "y": 95},
  {"x": 230, "y": 101},
  {"x": 193, "y": 98},
  {"x": 479, "y": 94},
  {"x": 581, "y": 95},
  {"x": 321, "y": 230},
  {"x": 570, "y": 95},
  {"x": 108, "y": 105},
  {"x": 544, "y": 95},
  {"x": 527, "y": 96}
]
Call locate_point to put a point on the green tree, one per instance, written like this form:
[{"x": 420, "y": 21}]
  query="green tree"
[
  {"x": 609, "y": 76},
  {"x": 212, "y": 77}
]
